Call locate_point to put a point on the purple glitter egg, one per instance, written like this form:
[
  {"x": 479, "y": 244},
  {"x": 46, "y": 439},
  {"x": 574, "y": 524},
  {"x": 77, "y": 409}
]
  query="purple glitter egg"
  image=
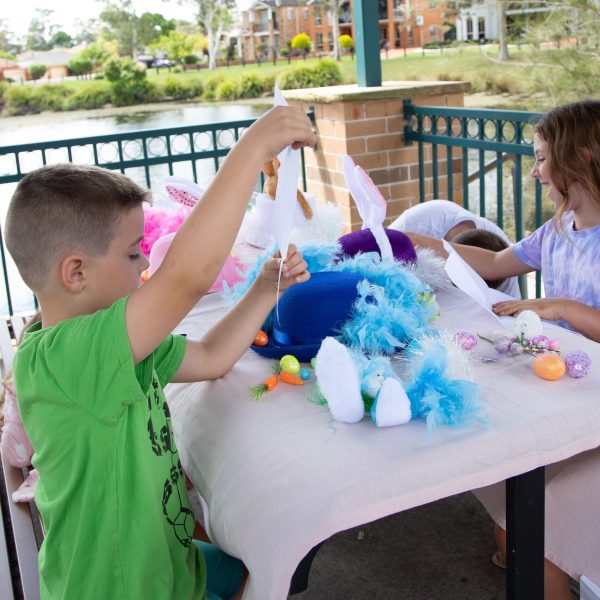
[
  {"x": 466, "y": 340},
  {"x": 502, "y": 344},
  {"x": 516, "y": 348},
  {"x": 578, "y": 363}
]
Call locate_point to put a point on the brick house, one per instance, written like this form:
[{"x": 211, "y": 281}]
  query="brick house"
[{"x": 268, "y": 25}]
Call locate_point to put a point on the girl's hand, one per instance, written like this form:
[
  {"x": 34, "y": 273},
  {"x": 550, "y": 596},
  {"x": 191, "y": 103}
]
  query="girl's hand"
[
  {"x": 550, "y": 309},
  {"x": 293, "y": 270}
]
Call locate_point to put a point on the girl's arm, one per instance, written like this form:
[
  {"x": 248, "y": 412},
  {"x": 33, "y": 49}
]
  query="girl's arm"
[
  {"x": 579, "y": 316},
  {"x": 489, "y": 265}
]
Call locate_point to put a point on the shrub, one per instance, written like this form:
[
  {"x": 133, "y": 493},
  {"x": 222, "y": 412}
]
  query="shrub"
[
  {"x": 346, "y": 42},
  {"x": 128, "y": 82},
  {"x": 250, "y": 85},
  {"x": 94, "y": 95},
  {"x": 182, "y": 89},
  {"x": 80, "y": 66},
  {"x": 302, "y": 42},
  {"x": 325, "y": 72},
  {"x": 210, "y": 86},
  {"x": 3, "y": 87},
  {"x": 37, "y": 71},
  {"x": 25, "y": 100},
  {"x": 228, "y": 89}
]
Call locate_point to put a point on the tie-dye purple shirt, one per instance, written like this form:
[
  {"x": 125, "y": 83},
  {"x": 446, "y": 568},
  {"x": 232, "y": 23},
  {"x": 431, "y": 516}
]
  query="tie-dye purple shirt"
[{"x": 569, "y": 260}]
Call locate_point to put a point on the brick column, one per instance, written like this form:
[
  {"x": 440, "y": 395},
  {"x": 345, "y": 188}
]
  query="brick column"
[{"x": 368, "y": 124}]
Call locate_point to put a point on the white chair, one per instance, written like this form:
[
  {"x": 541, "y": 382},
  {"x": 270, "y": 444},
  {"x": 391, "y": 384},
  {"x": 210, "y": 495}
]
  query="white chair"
[{"x": 588, "y": 590}]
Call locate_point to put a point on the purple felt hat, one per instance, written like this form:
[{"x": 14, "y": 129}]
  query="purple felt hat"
[{"x": 364, "y": 241}]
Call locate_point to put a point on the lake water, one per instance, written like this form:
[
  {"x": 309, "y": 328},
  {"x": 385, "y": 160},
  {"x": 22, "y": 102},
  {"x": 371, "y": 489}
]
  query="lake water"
[{"x": 57, "y": 126}]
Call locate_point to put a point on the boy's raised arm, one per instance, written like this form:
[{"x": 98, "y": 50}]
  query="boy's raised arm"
[{"x": 206, "y": 237}]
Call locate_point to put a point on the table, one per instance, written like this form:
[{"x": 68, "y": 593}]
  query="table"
[{"x": 279, "y": 477}]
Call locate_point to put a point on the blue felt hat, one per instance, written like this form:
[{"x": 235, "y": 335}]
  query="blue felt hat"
[{"x": 309, "y": 312}]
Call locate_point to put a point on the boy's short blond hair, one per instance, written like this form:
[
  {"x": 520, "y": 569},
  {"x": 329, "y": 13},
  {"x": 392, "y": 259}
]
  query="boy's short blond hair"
[{"x": 62, "y": 208}]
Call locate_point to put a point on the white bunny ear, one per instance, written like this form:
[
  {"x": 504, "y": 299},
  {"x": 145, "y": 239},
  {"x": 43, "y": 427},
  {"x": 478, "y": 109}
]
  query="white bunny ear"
[
  {"x": 376, "y": 207},
  {"x": 376, "y": 203},
  {"x": 355, "y": 189},
  {"x": 183, "y": 191}
]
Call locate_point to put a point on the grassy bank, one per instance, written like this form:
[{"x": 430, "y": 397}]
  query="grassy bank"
[{"x": 515, "y": 82}]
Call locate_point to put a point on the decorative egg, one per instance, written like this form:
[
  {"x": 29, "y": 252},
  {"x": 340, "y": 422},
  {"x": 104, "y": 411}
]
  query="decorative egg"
[
  {"x": 305, "y": 374},
  {"x": 528, "y": 324},
  {"x": 466, "y": 340},
  {"x": 554, "y": 345},
  {"x": 290, "y": 364},
  {"x": 549, "y": 366},
  {"x": 313, "y": 362},
  {"x": 578, "y": 363}
]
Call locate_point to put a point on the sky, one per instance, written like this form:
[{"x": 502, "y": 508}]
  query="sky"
[{"x": 66, "y": 11}]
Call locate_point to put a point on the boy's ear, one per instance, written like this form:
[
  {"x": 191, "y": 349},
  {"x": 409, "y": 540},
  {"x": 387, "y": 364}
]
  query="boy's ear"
[{"x": 72, "y": 272}]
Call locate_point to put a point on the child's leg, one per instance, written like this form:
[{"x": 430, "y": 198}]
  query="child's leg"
[
  {"x": 556, "y": 581},
  {"x": 224, "y": 574}
]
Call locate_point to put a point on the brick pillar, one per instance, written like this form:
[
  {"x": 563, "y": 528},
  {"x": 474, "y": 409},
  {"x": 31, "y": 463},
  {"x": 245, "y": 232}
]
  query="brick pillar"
[{"x": 368, "y": 124}]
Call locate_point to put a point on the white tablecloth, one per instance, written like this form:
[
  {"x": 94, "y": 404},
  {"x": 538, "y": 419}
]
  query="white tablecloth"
[{"x": 278, "y": 476}]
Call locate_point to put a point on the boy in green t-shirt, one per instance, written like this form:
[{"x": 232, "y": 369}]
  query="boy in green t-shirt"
[{"x": 89, "y": 378}]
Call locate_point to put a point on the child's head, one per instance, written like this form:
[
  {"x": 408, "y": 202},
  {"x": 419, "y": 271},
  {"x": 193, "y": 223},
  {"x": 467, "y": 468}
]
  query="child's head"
[
  {"x": 66, "y": 217},
  {"x": 482, "y": 239},
  {"x": 571, "y": 134}
]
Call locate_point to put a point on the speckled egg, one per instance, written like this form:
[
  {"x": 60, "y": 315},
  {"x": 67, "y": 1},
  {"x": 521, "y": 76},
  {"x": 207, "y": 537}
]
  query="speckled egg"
[
  {"x": 466, "y": 340},
  {"x": 578, "y": 363},
  {"x": 549, "y": 366}
]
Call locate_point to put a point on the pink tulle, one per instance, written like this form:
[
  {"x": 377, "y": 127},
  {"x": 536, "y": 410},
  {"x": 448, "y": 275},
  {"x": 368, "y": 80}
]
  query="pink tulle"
[
  {"x": 159, "y": 222},
  {"x": 230, "y": 273},
  {"x": 16, "y": 447}
]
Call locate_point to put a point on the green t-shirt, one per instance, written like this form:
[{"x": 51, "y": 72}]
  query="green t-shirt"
[{"x": 111, "y": 490}]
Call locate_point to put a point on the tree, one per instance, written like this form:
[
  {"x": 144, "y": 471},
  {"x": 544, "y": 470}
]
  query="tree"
[
  {"x": 62, "y": 40},
  {"x": 502, "y": 30},
  {"x": 572, "y": 72},
  {"x": 177, "y": 45},
  {"x": 37, "y": 71},
  {"x": 80, "y": 66},
  {"x": 214, "y": 16},
  {"x": 151, "y": 26},
  {"x": 40, "y": 30},
  {"x": 7, "y": 40},
  {"x": 302, "y": 42},
  {"x": 99, "y": 52},
  {"x": 333, "y": 9},
  {"x": 121, "y": 26},
  {"x": 346, "y": 42}
]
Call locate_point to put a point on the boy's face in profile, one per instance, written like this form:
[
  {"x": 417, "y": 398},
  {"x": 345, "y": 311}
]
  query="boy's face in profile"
[{"x": 118, "y": 272}]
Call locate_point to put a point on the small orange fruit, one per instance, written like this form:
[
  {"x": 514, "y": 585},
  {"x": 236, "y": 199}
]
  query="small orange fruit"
[{"x": 549, "y": 366}]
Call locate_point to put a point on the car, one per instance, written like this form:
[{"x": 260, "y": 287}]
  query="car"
[{"x": 163, "y": 62}]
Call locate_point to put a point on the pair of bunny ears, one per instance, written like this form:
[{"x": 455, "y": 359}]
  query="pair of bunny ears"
[
  {"x": 183, "y": 191},
  {"x": 370, "y": 203}
]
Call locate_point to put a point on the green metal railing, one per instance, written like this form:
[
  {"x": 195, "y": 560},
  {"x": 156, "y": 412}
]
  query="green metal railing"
[
  {"x": 476, "y": 142},
  {"x": 146, "y": 156}
]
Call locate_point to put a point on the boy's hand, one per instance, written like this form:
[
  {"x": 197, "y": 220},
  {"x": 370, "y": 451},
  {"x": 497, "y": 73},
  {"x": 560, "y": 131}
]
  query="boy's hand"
[
  {"x": 293, "y": 271},
  {"x": 278, "y": 128}
]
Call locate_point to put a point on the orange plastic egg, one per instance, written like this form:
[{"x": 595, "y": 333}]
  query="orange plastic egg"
[
  {"x": 261, "y": 339},
  {"x": 549, "y": 366}
]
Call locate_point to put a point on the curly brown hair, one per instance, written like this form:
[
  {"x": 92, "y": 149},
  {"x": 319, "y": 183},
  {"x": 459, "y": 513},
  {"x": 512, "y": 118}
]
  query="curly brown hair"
[{"x": 572, "y": 132}]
